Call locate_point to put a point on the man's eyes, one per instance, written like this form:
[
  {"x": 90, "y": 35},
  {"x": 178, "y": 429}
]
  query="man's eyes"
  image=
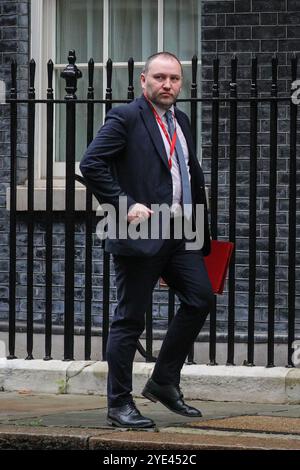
[{"x": 162, "y": 78}]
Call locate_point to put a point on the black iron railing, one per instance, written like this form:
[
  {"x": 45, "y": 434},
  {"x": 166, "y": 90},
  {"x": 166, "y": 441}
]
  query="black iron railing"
[{"x": 70, "y": 215}]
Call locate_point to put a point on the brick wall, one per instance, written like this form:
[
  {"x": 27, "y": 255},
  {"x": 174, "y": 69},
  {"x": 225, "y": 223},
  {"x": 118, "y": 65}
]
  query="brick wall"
[
  {"x": 13, "y": 45},
  {"x": 246, "y": 28}
]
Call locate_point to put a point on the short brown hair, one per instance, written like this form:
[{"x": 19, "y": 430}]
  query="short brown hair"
[{"x": 158, "y": 54}]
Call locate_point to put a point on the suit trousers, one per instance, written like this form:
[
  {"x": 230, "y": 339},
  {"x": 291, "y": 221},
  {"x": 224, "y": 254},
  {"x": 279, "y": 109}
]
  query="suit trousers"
[{"x": 184, "y": 271}]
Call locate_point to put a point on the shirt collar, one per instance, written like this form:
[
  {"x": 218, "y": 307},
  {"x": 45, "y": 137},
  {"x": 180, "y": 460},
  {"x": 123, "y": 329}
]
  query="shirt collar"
[{"x": 161, "y": 111}]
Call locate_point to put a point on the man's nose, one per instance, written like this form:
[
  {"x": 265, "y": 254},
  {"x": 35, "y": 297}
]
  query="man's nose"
[{"x": 167, "y": 83}]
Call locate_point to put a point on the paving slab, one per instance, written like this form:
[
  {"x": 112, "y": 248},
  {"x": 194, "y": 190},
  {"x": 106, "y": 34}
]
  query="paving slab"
[
  {"x": 170, "y": 441},
  {"x": 265, "y": 424},
  {"x": 90, "y": 411},
  {"x": 25, "y": 403}
]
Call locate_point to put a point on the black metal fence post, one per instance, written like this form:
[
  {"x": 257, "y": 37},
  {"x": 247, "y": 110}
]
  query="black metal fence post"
[
  {"x": 232, "y": 209},
  {"x": 12, "y": 213},
  {"x": 252, "y": 214},
  {"x": 106, "y": 255},
  {"x": 49, "y": 212},
  {"x": 30, "y": 208},
  {"x": 214, "y": 198},
  {"x": 190, "y": 358},
  {"x": 130, "y": 90},
  {"x": 71, "y": 74},
  {"x": 88, "y": 291},
  {"x": 272, "y": 213},
  {"x": 292, "y": 220},
  {"x": 194, "y": 91}
]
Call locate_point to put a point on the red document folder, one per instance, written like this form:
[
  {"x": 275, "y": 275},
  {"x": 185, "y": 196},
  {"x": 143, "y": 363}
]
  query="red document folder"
[{"x": 217, "y": 263}]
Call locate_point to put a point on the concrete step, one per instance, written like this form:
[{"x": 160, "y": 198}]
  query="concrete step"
[
  {"x": 198, "y": 382},
  {"x": 51, "y": 438}
]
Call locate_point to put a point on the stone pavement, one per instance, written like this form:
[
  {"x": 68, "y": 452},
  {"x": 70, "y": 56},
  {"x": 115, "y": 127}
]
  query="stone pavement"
[{"x": 66, "y": 421}]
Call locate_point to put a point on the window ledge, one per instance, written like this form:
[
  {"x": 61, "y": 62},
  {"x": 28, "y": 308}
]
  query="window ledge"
[{"x": 58, "y": 196}]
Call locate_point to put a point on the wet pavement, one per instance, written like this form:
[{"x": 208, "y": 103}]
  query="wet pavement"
[{"x": 41, "y": 421}]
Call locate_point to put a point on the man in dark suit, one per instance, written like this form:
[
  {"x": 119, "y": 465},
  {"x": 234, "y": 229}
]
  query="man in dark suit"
[{"x": 144, "y": 155}]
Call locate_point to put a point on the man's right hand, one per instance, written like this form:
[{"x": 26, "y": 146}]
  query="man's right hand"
[{"x": 138, "y": 213}]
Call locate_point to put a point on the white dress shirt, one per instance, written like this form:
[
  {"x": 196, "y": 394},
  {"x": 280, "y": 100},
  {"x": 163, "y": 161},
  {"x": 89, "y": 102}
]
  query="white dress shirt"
[{"x": 175, "y": 170}]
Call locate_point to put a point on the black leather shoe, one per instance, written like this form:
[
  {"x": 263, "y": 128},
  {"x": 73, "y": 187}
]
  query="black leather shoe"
[
  {"x": 171, "y": 397},
  {"x": 128, "y": 416}
]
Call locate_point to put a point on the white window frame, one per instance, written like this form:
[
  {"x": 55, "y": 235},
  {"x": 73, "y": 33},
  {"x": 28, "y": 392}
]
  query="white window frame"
[
  {"x": 43, "y": 48},
  {"x": 42, "y": 41}
]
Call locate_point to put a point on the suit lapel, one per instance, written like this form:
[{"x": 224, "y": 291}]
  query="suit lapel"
[
  {"x": 152, "y": 127},
  {"x": 195, "y": 167},
  {"x": 186, "y": 132}
]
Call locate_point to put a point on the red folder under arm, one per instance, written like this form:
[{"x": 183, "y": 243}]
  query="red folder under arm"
[{"x": 216, "y": 263}]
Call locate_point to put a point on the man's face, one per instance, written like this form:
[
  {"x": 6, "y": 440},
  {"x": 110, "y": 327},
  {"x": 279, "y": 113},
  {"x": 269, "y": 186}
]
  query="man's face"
[{"x": 162, "y": 83}]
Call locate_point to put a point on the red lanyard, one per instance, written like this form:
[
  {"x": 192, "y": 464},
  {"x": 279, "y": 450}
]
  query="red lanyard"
[{"x": 166, "y": 133}]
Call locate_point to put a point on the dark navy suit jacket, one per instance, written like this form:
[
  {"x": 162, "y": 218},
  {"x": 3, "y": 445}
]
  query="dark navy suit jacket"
[{"x": 128, "y": 158}]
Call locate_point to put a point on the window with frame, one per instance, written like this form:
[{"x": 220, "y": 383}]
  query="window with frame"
[{"x": 116, "y": 29}]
